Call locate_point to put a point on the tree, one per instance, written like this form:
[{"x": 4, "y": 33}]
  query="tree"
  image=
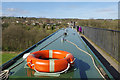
[
  {"x": 47, "y": 20},
  {"x": 44, "y": 25},
  {"x": 5, "y": 25}
]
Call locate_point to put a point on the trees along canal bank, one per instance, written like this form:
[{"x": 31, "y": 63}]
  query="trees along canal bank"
[{"x": 17, "y": 37}]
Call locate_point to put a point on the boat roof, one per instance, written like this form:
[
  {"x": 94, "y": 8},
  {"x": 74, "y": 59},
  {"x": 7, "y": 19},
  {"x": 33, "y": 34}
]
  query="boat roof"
[{"x": 83, "y": 66}]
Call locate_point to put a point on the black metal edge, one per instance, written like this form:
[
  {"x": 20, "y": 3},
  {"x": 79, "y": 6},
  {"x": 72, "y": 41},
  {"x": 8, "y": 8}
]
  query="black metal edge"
[
  {"x": 37, "y": 78},
  {"x": 13, "y": 60},
  {"x": 111, "y": 69}
]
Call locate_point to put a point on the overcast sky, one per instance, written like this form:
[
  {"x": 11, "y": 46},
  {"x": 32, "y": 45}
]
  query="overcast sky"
[{"x": 81, "y": 10}]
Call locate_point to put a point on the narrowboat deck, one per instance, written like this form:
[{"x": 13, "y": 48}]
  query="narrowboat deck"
[{"x": 83, "y": 67}]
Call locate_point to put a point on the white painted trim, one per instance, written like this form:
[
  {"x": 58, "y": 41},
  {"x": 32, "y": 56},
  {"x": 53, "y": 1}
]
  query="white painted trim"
[
  {"x": 51, "y": 65},
  {"x": 50, "y": 54}
]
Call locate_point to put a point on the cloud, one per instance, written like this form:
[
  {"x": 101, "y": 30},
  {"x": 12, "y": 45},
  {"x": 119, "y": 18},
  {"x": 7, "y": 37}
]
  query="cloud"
[
  {"x": 13, "y": 12},
  {"x": 11, "y": 9},
  {"x": 106, "y": 13},
  {"x": 16, "y": 10},
  {"x": 105, "y": 10},
  {"x": 8, "y": 14}
]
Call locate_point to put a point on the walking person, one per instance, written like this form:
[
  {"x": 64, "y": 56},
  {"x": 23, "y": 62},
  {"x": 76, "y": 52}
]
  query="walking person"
[
  {"x": 80, "y": 29},
  {"x": 77, "y": 28}
]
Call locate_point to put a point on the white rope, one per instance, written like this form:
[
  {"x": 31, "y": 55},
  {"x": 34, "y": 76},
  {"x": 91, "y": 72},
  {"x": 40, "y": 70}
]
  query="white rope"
[
  {"x": 4, "y": 74},
  {"x": 87, "y": 54}
]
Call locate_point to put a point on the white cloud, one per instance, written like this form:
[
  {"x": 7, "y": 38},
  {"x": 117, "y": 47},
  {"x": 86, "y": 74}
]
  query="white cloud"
[
  {"x": 15, "y": 11},
  {"x": 8, "y": 14},
  {"x": 11, "y": 9},
  {"x": 105, "y": 10},
  {"x": 109, "y": 12}
]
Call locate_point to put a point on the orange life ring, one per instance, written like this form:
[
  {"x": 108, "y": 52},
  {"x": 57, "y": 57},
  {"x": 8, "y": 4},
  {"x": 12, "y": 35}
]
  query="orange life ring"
[{"x": 58, "y": 62}]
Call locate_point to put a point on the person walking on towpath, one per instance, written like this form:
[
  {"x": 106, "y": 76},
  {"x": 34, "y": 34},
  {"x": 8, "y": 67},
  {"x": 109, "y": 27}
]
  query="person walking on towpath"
[{"x": 80, "y": 29}]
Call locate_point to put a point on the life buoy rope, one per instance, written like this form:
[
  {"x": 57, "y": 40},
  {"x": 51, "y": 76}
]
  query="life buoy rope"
[{"x": 53, "y": 72}]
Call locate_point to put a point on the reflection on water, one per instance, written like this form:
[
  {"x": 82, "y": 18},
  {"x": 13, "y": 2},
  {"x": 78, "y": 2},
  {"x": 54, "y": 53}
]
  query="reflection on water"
[{"x": 30, "y": 72}]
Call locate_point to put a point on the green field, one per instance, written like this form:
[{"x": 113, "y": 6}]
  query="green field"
[{"x": 6, "y": 56}]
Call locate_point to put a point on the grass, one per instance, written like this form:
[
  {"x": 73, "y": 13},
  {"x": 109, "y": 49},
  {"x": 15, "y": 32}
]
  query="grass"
[{"x": 6, "y": 56}]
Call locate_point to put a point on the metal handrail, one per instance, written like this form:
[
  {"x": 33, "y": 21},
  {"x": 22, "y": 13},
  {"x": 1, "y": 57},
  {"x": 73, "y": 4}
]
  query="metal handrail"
[{"x": 103, "y": 29}]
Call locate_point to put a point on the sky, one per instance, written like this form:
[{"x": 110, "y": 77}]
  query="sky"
[
  {"x": 60, "y": 0},
  {"x": 80, "y": 10}
]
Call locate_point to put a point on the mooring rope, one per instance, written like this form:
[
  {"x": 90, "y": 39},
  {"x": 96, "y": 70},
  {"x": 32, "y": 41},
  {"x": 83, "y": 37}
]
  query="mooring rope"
[
  {"x": 87, "y": 54},
  {"x": 5, "y": 74}
]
